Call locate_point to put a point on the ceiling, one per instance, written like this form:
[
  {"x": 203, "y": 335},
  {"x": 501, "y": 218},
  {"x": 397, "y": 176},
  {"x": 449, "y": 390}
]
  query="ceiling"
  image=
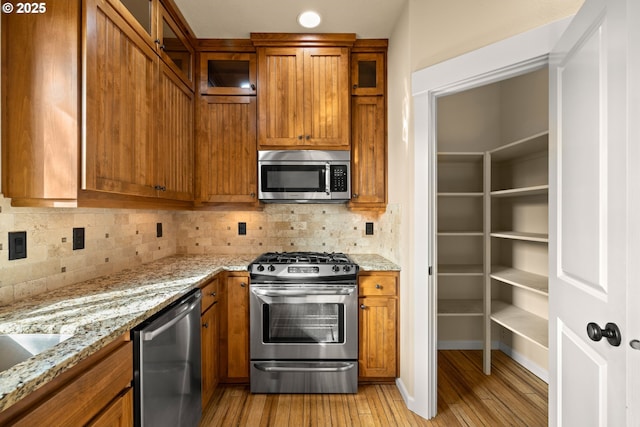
[{"x": 239, "y": 18}]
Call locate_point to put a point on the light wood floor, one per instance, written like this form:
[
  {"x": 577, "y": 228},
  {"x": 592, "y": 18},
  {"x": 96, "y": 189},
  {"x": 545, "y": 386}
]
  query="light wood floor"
[{"x": 511, "y": 396}]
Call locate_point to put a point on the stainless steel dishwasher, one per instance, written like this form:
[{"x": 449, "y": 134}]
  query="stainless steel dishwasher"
[{"x": 167, "y": 371}]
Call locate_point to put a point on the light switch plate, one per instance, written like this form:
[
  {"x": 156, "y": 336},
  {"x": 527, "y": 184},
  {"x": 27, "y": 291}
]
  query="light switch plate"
[
  {"x": 369, "y": 229},
  {"x": 17, "y": 245},
  {"x": 78, "y": 238}
]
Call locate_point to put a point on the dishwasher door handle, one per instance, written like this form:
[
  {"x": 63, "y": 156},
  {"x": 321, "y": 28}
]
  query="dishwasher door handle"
[{"x": 179, "y": 313}]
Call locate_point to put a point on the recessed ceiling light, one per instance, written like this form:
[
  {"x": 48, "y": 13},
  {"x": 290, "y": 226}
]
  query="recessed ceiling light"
[{"x": 309, "y": 19}]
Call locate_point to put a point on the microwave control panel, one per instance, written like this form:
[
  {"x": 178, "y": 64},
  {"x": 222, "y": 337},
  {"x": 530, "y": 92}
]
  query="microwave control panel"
[{"x": 339, "y": 178}]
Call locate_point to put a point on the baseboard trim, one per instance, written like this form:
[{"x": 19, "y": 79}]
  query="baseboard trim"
[{"x": 527, "y": 363}]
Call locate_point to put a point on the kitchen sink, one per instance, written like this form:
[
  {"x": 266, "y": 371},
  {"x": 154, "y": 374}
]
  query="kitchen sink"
[{"x": 16, "y": 348}]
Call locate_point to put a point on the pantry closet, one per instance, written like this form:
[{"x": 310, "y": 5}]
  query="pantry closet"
[{"x": 492, "y": 220}]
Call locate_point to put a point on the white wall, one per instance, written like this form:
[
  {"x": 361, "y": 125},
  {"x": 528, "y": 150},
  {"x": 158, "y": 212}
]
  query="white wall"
[{"x": 429, "y": 32}]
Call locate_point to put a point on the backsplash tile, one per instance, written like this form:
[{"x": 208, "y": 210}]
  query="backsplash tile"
[
  {"x": 114, "y": 240},
  {"x": 117, "y": 239},
  {"x": 288, "y": 227}
]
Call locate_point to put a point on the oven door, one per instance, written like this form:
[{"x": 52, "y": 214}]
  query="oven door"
[{"x": 304, "y": 322}]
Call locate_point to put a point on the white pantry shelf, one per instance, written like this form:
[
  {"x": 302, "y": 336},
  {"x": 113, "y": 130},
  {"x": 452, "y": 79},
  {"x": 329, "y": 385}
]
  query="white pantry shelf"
[
  {"x": 521, "y": 279},
  {"x": 460, "y": 307},
  {"x": 519, "y": 235},
  {"x": 521, "y": 322}
]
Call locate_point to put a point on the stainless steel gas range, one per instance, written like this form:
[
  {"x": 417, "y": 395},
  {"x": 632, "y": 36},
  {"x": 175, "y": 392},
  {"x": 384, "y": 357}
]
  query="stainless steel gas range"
[{"x": 304, "y": 323}]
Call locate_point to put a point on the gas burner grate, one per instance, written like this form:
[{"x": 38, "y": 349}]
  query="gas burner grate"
[{"x": 303, "y": 258}]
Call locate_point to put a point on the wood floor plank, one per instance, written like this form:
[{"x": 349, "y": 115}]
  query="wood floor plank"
[
  {"x": 253, "y": 415},
  {"x": 466, "y": 397}
]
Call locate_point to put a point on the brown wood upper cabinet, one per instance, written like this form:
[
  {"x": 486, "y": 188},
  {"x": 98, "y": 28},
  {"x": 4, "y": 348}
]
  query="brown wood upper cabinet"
[
  {"x": 303, "y": 91},
  {"x": 369, "y": 125},
  {"x": 134, "y": 146},
  {"x": 227, "y": 155}
]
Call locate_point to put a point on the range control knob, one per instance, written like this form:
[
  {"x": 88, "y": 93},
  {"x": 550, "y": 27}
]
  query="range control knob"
[
  {"x": 261, "y": 267},
  {"x": 347, "y": 268},
  {"x": 335, "y": 268},
  {"x": 271, "y": 268}
]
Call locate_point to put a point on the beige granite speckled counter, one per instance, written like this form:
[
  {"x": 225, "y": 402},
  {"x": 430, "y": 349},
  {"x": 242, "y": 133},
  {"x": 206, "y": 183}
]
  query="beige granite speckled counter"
[{"x": 97, "y": 311}]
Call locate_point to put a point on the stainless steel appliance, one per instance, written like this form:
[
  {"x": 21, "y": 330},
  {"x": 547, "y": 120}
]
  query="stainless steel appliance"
[
  {"x": 305, "y": 176},
  {"x": 167, "y": 378},
  {"x": 304, "y": 323}
]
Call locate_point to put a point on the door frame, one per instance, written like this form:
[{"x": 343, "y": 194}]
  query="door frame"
[{"x": 511, "y": 57}]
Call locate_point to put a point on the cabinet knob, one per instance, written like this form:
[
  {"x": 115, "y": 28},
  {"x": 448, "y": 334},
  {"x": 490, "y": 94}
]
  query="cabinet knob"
[
  {"x": 610, "y": 332},
  {"x": 355, "y": 86},
  {"x": 253, "y": 87},
  {"x": 212, "y": 294},
  {"x": 253, "y": 195},
  {"x": 362, "y": 306},
  {"x": 205, "y": 325},
  {"x": 308, "y": 137},
  {"x": 355, "y": 195},
  {"x": 244, "y": 285},
  {"x": 378, "y": 286},
  {"x": 300, "y": 137}
]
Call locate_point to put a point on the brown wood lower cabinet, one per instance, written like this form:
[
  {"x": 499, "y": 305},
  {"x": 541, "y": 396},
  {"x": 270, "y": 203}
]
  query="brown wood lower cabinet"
[
  {"x": 378, "y": 358},
  {"x": 209, "y": 336},
  {"x": 97, "y": 390},
  {"x": 118, "y": 413},
  {"x": 234, "y": 327}
]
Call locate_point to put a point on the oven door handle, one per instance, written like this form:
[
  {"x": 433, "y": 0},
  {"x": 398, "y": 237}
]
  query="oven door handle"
[
  {"x": 302, "y": 293},
  {"x": 339, "y": 367}
]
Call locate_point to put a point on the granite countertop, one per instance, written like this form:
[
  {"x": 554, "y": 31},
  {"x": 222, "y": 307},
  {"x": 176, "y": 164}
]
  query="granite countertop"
[{"x": 98, "y": 311}]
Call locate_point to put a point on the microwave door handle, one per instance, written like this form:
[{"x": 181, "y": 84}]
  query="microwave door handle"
[{"x": 327, "y": 179}]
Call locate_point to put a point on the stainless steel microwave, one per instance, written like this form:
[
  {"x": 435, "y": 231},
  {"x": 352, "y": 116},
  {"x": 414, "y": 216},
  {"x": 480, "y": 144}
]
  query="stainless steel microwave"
[{"x": 304, "y": 176}]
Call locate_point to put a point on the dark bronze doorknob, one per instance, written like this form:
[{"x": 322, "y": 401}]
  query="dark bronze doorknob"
[{"x": 610, "y": 332}]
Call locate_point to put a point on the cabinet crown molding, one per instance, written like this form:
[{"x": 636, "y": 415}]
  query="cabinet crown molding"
[{"x": 303, "y": 39}]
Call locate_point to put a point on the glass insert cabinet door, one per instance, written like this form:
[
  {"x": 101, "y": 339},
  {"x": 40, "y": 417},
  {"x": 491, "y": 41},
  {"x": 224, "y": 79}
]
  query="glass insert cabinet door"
[
  {"x": 228, "y": 73},
  {"x": 367, "y": 74},
  {"x": 142, "y": 11},
  {"x": 175, "y": 49}
]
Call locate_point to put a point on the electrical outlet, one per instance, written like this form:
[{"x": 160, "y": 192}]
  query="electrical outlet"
[
  {"x": 78, "y": 238},
  {"x": 368, "y": 229},
  {"x": 17, "y": 245},
  {"x": 159, "y": 229},
  {"x": 242, "y": 228}
]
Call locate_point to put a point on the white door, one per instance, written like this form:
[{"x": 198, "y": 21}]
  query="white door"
[{"x": 591, "y": 212}]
